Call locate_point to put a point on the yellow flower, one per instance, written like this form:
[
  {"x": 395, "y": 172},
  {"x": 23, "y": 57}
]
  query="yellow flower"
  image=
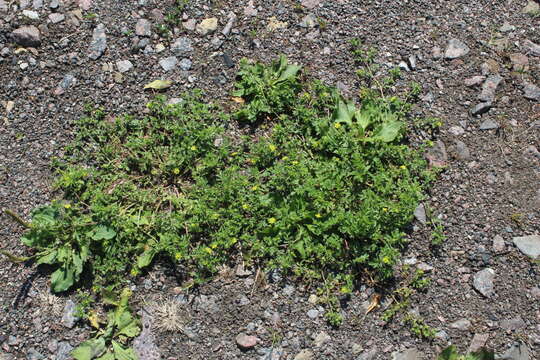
[
  {"x": 213, "y": 246},
  {"x": 386, "y": 260},
  {"x": 254, "y": 188},
  {"x": 285, "y": 158},
  {"x": 253, "y": 161},
  {"x": 272, "y": 220},
  {"x": 245, "y": 206},
  {"x": 337, "y": 125},
  {"x": 234, "y": 153},
  {"x": 67, "y": 206},
  {"x": 208, "y": 250},
  {"x": 193, "y": 148},
  {"x": 134, "y": 272},
  {"x": 403, "y": 167},
  {"x": 176, "y": 171},
  {"x": 272, "y": 147},
  {"x": 318, "y": 216},
  {"x": 294, "y": 162},
  {"x": 385, "y": 209},
  {"x": 177, "y": 256}
]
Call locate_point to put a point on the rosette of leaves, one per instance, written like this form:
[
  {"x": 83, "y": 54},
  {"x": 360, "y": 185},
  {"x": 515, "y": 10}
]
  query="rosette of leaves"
[{"x": 450, "y": 353}]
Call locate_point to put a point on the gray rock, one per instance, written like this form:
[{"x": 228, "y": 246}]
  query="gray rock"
[
  {"x": 529, "y": 245},
  {"x": 124, "y": 65},
  {"x": 310, "y": 4},
  {"x": 309, "y": 21},
  {"x": 55, "y": 18},
  {"x": 54, "y": 4},
  {"x": 99, "y": 43},
  {"x": 227, "y": 29},
  {"x": 437, "y": 155},
  {"x": 321, "y": 338},
  {"x": 412, "y": 62},
  {"x": 455, "y": 49},
  {"x": 288, "y": 290},
  {"x": 313, "y": 314},
  {"x": 462, "y": 151},
  {"x": 474, "y": 81},
  {"x": 69, "y": 318},
  {"x": 3, "y": 6},
  {"x": 27, "y": 36},
  {"x": 532, "y": 8},
  {"x": 305, "y": 355},
  {"x": 246, "y": 342},
  {"x": 461, "y": 324},
  {"x": 513, "y": 324},
  {"x": 271, "y": 353},
  {"x": 506, "y": 27},
  {"x": 489, "y": 124},
  {"x": 409, "y": 354},
  {"x": 31, "y": 14},
  {"x": 483, "y": 282},
  {"x": 498, "y": 244},
  {"x": 64, "y": 351},
  {"x": 481, "y": 108},
  {"x": 531, "y": 48},
  {"x": 168, "y": 63},
  {"x": 37, "y": 4},
  {"x": 531, "y": 92},
  {"x": 143, "y": 28},
  {"x": 207, "y": 304},
  {"x": 370, "y": 354},
  {"x": 520, "y": 62},
  {"x": 12, "y": 340},
  {"x": 516, "y": 352},
  {"x": 443, "y": 335},
  {"x": 489, "y": 88},
  {"x": 33, "y": 354},
  {"x": 456, "y": 130},
  {"x": 478, "y": 341},
  {"x": 66, "y": 82},
  {"x": 144, "y": 344},
  {"x": 182, "y": 46},
  {"x": 207, "y": 26}
]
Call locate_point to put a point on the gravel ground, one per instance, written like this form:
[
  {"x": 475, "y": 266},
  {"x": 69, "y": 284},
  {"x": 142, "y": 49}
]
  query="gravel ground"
[{"x": 479, "y": 65}]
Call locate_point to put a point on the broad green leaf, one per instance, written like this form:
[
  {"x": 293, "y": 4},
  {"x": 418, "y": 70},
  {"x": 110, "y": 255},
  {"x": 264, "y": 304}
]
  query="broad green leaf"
[
  {"x": 127, "y": 325},
  {"x": 145, "y": 258},
  {"x": 122, "y": 353},
  {"x": 159, "y": 84},
  {"x": 362, "y": 119},
  {"x": 389, "y": 131},
  {"x": 109, "y": 355},
  {"x": 89, "y": 349},
  {"x": 63, "y": 278},
  {"x": 289, "y": 73},
  {"x": 342, "y": 113},
  {"x": 45, "y": 216},
  {"x": 101, "y": 232},
  {"x": 48, "y": 258},
  {"x": 77, "y": 265}
]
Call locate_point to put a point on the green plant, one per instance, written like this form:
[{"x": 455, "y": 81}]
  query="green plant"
[
  {"x": 109, "y": 343},
  {"x": 411, "y": 283},
  {"x": 450, "y": 353},
  {"x": 419, "y": 327}
]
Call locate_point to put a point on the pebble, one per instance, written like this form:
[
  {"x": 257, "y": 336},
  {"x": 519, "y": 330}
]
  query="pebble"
[
  {"x": 33, "y": 15},
  {"x": 207, "y": 26},
  {"x": 310, "y": 4},
  {"x": 461, "y": 324},
  {"x": 305, "y": 355},
  {"x": 520, "y": 62},
  {"x": 321, "y": 339},
  {"x": 143, "y": 27},
  {"x": 456, "y": 130},
  {"x": 506, "y": 27},
  {"x": 168, "y": 63},
  {"x": 481, "y": 108},
  {"x": 227, "y": 29},
  {"x": 455, "y": 49},
  {"x": 182, "y": 46},
  {"x": 27, "y": 36},
  {"x": 246, "y": 342},
  {"x": 33, "y": 354},
  {"x": 99, "y": 43},
  {"x": 368, "y": 355},
  {"x": 443, "y": 335},
  {"x": 462, "y": 151},
  {"x": 56, "y": 18},
  {"x": 528, "y": 245},
  {"x": 249, "y": 9},
  {"x": 313, "y": 314},
  {"x": 489, "y": 125},
  {"x": 498, "y": 244},
  {"x": 531, "y": 48},
  {"x": 517, "y": 351},
  {"x": 474, "y": 81},
  {"x": 37, "y": 4},
  {"x": 66, "y": 82},
  {"x": 483, "y": 282},
  {"x": 124, "y": 65},
  {"x": 185, "y": 64},
  {"x": 308, "y": 21},
  {"x": 478, "y": 341},
  {"x": 489, "y": 88},
  {"x": 69, "y": 318},
  {"x": 531, "y": 92},
  {"x": 409, "y": 354},
  {"x": 275, "y": 24},
  {"x": 55, "y": 4}
]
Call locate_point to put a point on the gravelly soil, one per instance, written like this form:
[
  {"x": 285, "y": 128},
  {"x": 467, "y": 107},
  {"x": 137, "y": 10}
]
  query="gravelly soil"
[{"x": 490, "y": 187}]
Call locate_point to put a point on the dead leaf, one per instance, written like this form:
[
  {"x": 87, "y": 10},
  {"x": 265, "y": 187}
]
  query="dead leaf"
[
  {"x": 238, "y": 100},
  {"x": 159, "y": 84},
  {"x": 374, "y": 303},
  {"x": 94, "y": 319}
]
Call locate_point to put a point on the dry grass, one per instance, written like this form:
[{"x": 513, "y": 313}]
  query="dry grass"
[
  {"x": 169, "y": 315},
  {"x": 53, "y": 304}
]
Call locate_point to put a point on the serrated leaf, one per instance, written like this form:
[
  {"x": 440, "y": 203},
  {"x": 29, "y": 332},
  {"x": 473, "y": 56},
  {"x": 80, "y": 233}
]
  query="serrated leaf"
[
  {"x": 101, "y": 232},
  {"x": 159, "y": 84},
  {"x": 389, "y": 131},
  {"x": 63, "y": 278},
  {"x": 122, "y": 353},
  {"x": 89, "y": 349}
]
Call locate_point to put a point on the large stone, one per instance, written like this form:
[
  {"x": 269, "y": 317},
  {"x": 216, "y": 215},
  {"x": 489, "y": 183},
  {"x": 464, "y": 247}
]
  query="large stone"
[
  {"x": 143, "y": 28},
  {"x": 246, "y": 342},
  {"x": 69, "y": 317},
  {"x": 529, "y": 245},
  {"x": 437, "y": 155},
  {"x": 409, "y": 354},
  {"x": 182, "y": 46},
  {"x": 531, "y": 92},
  {"x": 483, "y": 282},
  {"x": 99, "y": 42},
  {"x": 489, "y": 87},
  {"x": 531, "y": 48},
  {"x": 207, "y": 26},
  {"x": 481, "y": 108},
  {"x": 516, "y": 352},
  {"x": 168, "y": 63},
  {"x": 27, "y": 36},
  {"x": 455, "y": 49}
]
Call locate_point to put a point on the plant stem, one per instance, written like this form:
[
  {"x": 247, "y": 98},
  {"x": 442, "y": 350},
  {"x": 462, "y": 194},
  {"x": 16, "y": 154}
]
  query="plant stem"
[{"x": 17, "y": 218}]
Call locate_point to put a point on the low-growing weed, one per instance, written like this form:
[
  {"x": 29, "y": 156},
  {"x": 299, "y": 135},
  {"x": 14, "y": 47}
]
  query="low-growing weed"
[{"x": 450, "y": 353}]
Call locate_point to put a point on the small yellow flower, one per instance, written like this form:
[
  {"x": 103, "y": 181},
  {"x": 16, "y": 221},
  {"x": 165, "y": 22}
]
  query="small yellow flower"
[
  {"x": 294, "y": 162},
  {"x": 193, "y": 148},
  {"x": 254, "y": 188},
  {"x": 253, "y": 161},
  {"x": 176, "y": 171},
  {"x": 67, "y": 206},
  {"x": 213, "y": 246},
  {"x": 154, "y": 172},
  {"x": 134, "y": 272},
  {"x": 245, "y": 206},
  {"x": 285, "y": 158},
  {"x": 403, "y": 167},
  {"x": 272, "y": 147},
  {"x": 337, "y": 125},
  {"x": 318, "y": 216},
  {"x": 177, "y": 256},
  {"x": 208, "y": 250},
  {"x": 234, "y": 153},
  {"x": 272, "y": 220},
  {"x": 386, "y": 260},
  {"x": 385, "y": 209}
]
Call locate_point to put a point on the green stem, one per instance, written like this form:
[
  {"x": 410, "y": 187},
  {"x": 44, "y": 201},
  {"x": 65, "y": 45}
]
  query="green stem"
[
  {"x": 17, "y": 218},
  {"x": 13, "y": 258}
]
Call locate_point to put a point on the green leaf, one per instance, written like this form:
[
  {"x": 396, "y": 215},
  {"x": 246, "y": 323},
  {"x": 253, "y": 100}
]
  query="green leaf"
[
  {"x": 389, "y": 131},
  {"x": 45, "y": 216},
  {"x": 159, "y": 84},
  {"x": 344, "y": 112},
  {"x": 63, "y": 278},
  {"x": 448, "y": 354},
  {"x": 122, "y": 353},
  {"x": 48, "y": 258},
  {"x": 289, "y": 73},
  {"x": 145, "y": 258},
  {"x": 101, "y": 232},
  {"x": 483, "y": 354},
  {"x": 89, "y": 349},
  {"x": 127, "y": 325},
  {"x": 362, "y": 119},
  {"x": 109, "y": 355}
]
